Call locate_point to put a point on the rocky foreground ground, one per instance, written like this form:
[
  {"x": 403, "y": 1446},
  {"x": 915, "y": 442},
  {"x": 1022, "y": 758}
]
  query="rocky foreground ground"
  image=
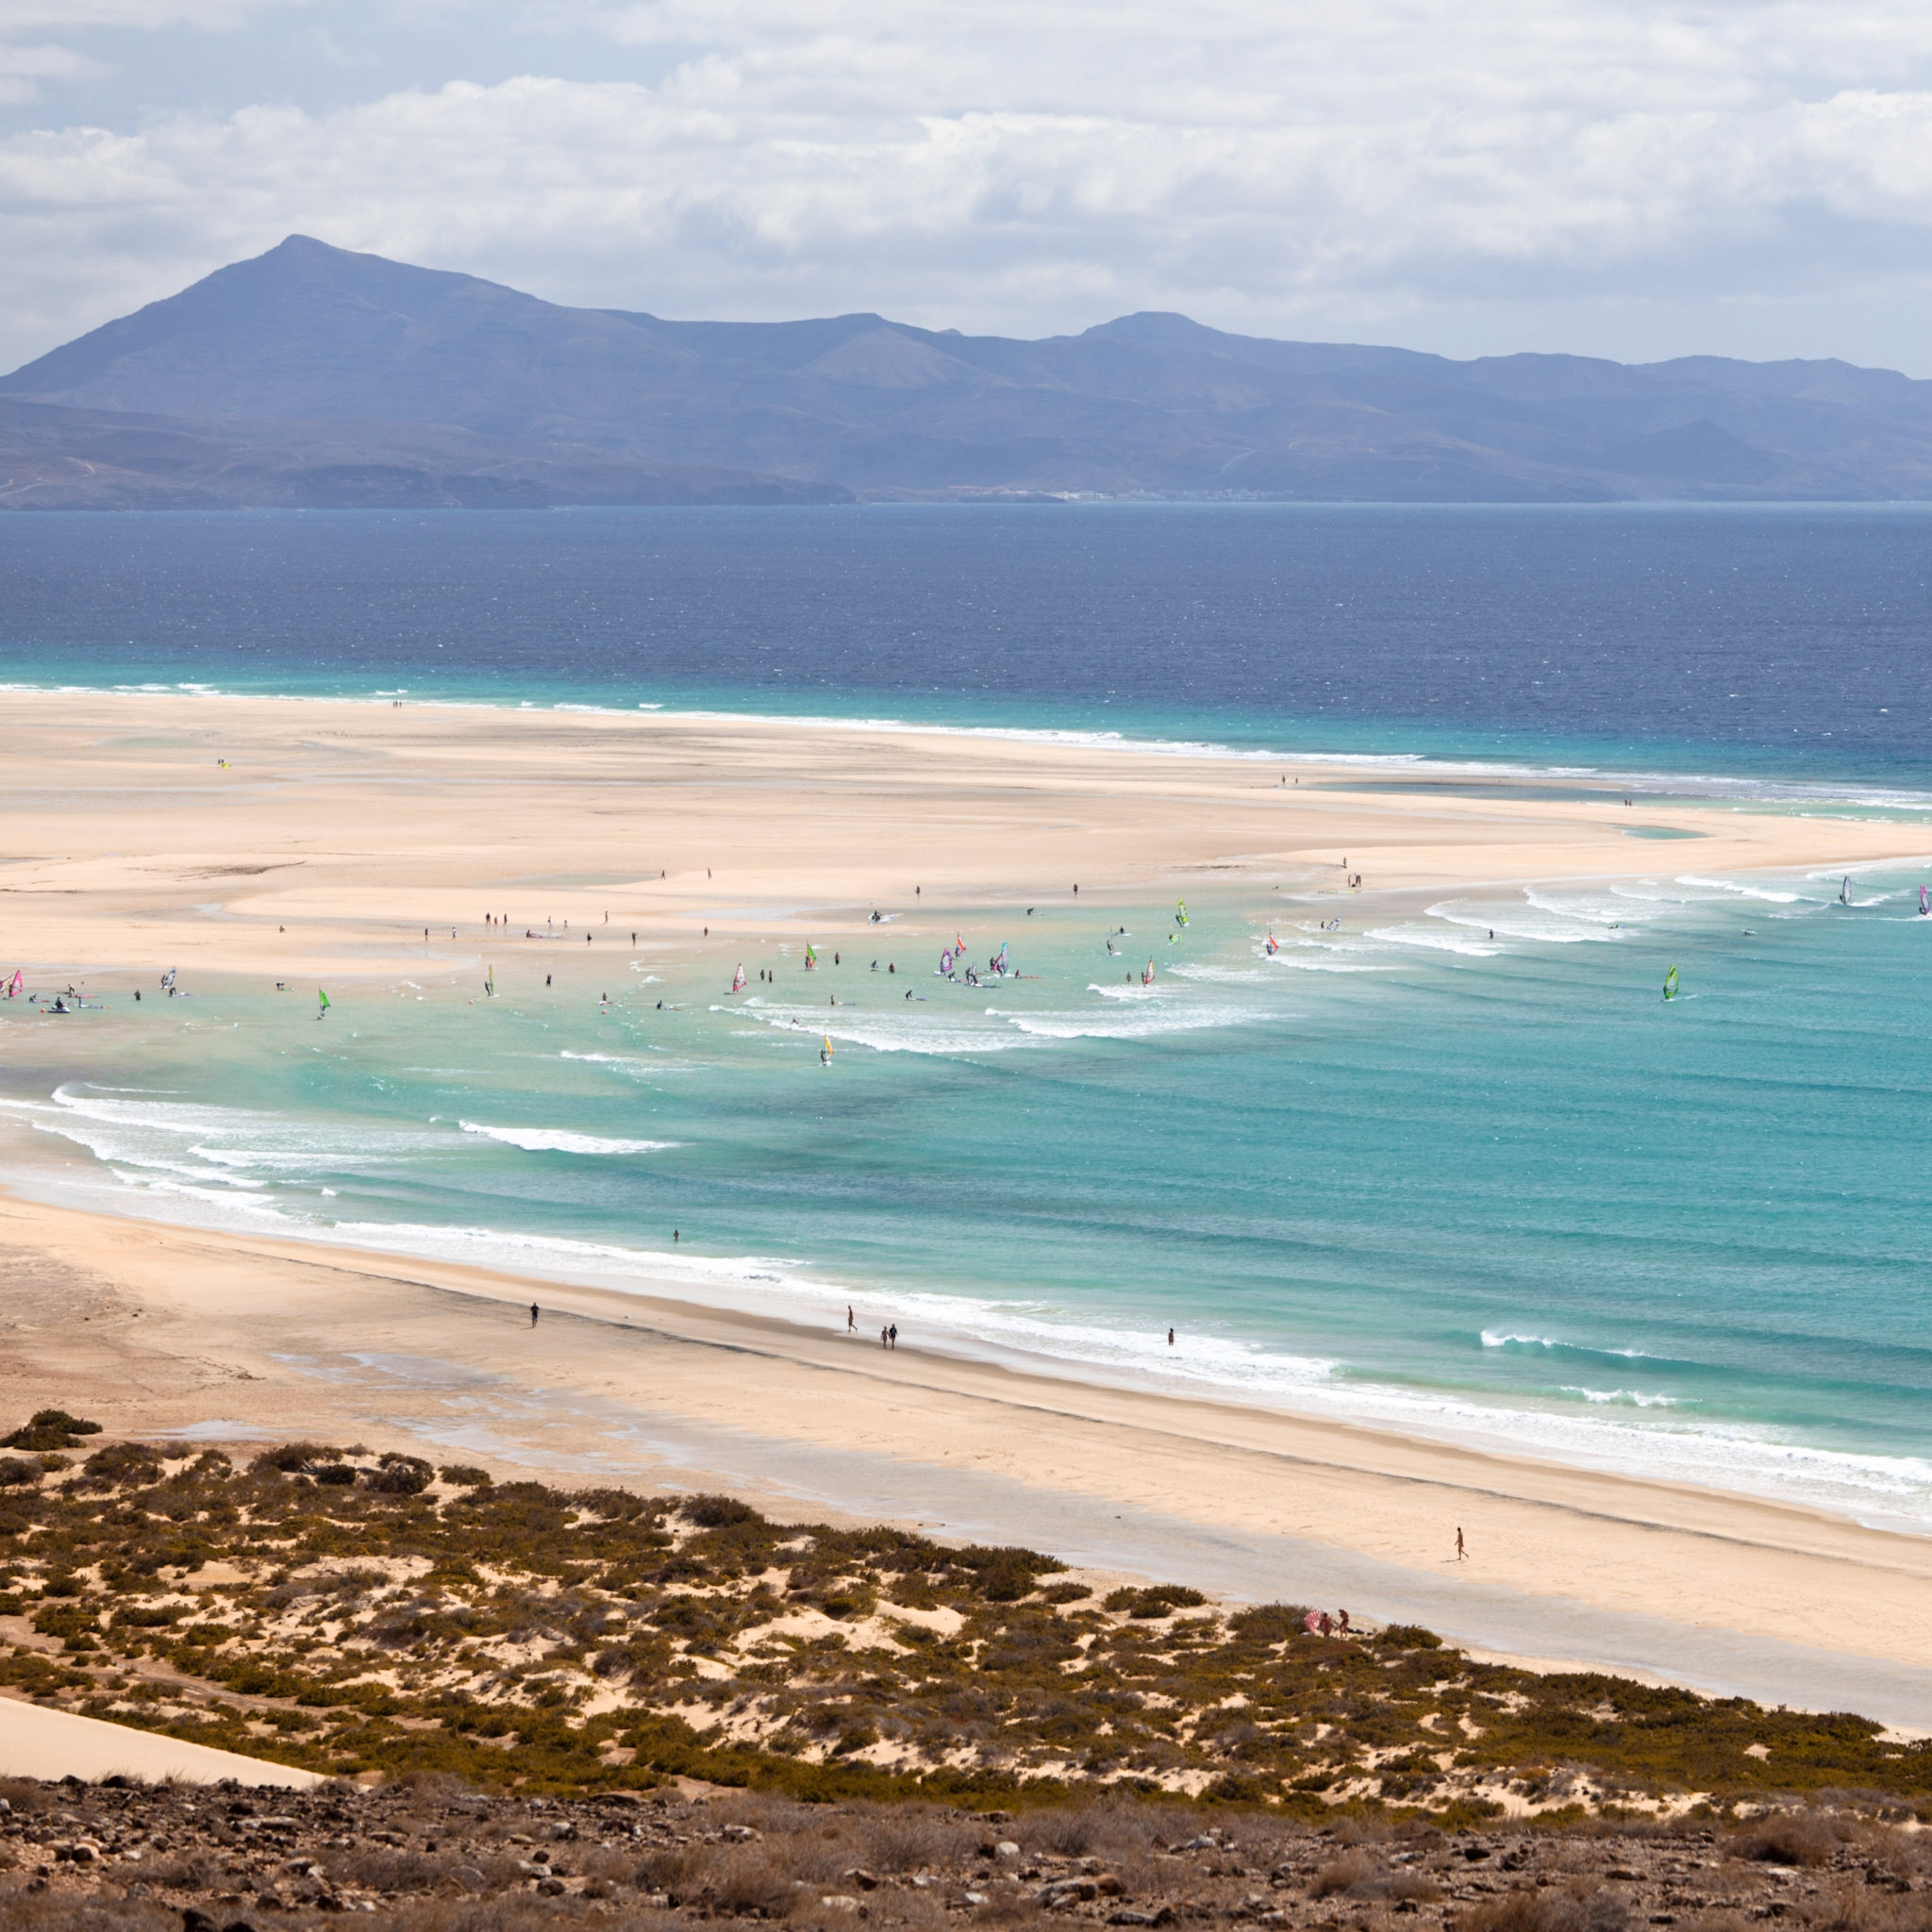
[{"x": 429, "y": 1855}]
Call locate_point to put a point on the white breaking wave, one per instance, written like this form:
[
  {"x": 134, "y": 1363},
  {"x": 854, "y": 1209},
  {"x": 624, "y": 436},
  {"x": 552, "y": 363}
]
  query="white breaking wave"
[
  {"x": 1521, "y": 920},
  {"x": 1629, "y": 1398},
  {"x": 558, "y": 1141},
  {"x": 1738, "y": 889},
  {"x": 215, "y": 1146},
  {"x": 1434, "y": 940}
]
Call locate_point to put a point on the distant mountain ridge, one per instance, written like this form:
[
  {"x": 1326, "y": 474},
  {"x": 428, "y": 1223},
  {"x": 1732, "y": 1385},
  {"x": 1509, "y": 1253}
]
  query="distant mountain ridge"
[{"x": 309, "y": 363}]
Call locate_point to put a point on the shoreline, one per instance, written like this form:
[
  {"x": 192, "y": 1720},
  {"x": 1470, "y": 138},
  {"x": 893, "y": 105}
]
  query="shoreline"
[
  {"x": 667, "y": 1288},
  {"x": 215, "y": 1338}
]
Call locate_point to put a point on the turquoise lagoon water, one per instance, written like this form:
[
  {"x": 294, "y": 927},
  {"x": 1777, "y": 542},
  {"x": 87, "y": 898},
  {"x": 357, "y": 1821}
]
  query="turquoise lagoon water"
[
  {"x": 1404, "y": 1172},
  {"x": 1454, "y": 1167}
]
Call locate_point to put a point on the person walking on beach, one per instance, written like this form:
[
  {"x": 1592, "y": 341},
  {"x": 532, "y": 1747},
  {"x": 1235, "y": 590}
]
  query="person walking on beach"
[
  {"x": 1461, "y": 1555},
  {"x": 893, "y": 1335},
  {"x": 534, "y": 1312},
  {"x": 883, "y": 1342},
  {"x": 851, "y": 1326}
]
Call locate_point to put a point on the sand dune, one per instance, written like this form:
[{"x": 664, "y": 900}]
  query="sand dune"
[{"x": 60, "y": 1743}]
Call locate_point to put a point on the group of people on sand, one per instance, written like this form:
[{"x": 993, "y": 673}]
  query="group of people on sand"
[
  {"x": 1320, "y": 1623},
  {"x": 889, "y": 1334}
]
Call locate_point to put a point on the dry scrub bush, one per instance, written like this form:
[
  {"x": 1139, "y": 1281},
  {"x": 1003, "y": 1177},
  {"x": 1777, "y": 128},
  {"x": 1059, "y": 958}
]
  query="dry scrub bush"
[
  {"x": 1792, "y": 1837},
  {"x": 1579, "y": 1907},
  {"x": 375, "y": 1868},
  {"x": 1858, "y": 1909},
  {"x": 1360, "y": 1831},
  {"x": 748, "y": 1879},
  {"x": 1358, "y": 1874},
  {"x": 913, "y": 1836}
]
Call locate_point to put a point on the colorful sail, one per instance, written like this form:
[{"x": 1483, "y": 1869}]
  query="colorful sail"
[
  {"x": 13, "y": 990},
  {"x": 1147, "y": 977},
  {"x": 1925, "y": 911},
  {"x": 1180, "y": 917},
  {"x": 1671, "y": 984},
  {"x": 946, "y": 963},
  {"x": 1273, "y": 945},
  {"x": 826, "y": 1051},
  {"x": 737, "y": 978},
  {"x": 811, "y": 958},
  {"x": 324, "y": 998}
]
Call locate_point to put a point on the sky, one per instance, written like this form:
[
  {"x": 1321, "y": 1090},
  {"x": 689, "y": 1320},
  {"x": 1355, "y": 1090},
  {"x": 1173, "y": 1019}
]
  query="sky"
[{"x": 1609, "y": 177}]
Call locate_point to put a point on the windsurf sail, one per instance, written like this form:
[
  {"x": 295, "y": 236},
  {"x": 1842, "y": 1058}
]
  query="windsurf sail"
[
  {"x": 737, "y": 978},
  {"x": 1925, "y": 911},
  {"x": 1671, "y": 984},
  {"x": 1180, "y": 917},
  {"x": 1845, "y": 891},
  {"x": 826, "y": 1051},
  {"x": 1273, "y": 945},
  {"x": 490, "y": 981},
  {"x": 324, "y": 998},
  {"x": 15, "y": 985},
  {"x": 811, "y": 958},
  {"x": 999, "y": 964},
  {"x": 945, "y": 962},
  {"x": 1147, "y": 977}
]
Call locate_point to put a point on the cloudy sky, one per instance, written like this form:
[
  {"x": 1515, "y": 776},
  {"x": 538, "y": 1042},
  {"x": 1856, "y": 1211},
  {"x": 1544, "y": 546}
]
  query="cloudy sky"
[{"x": 1615, "y": 177}]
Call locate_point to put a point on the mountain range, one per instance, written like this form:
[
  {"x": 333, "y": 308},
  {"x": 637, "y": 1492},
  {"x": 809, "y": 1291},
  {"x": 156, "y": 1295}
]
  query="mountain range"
[{"x": 311, "y": 375}]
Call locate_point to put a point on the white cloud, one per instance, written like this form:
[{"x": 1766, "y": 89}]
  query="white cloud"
[
  {"x": 72, "y": 16},
  {"x": 1280, "y": 167},
  {"x": 23, "y": 69}
]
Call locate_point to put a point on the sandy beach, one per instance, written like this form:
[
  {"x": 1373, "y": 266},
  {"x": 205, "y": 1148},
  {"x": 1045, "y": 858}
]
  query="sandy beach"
[
  {"x": 255, "y": 837},
  {"x": 261, "y": 836}
]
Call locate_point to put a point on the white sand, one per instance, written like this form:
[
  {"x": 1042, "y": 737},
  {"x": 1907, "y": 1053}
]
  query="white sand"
[{"x": 35, "y": 1742}]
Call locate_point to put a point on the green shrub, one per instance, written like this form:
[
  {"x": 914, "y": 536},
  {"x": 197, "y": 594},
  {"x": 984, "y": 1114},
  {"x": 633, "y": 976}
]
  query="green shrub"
[
  {"x": 717, "y": 1512},
  {"x": 295, "y": 1457},
  {"x": 1157, "y": 1600},
  {"x": 1410, "y": 1637},
  {"x": 50, "y": 1428},
  {"x": 121, "y": 1465},
  {"x": 466, "y": 1476},
  {"x": 399, "y": 1476}
]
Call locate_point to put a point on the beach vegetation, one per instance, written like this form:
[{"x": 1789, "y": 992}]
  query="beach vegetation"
[
  {"x": 409, "y": 1622},
  {"x": 50, "y": 1428}
]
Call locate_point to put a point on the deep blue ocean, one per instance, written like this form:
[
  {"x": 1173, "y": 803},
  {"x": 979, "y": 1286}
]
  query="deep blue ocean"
[{"x": 1454, "y": 1167}]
